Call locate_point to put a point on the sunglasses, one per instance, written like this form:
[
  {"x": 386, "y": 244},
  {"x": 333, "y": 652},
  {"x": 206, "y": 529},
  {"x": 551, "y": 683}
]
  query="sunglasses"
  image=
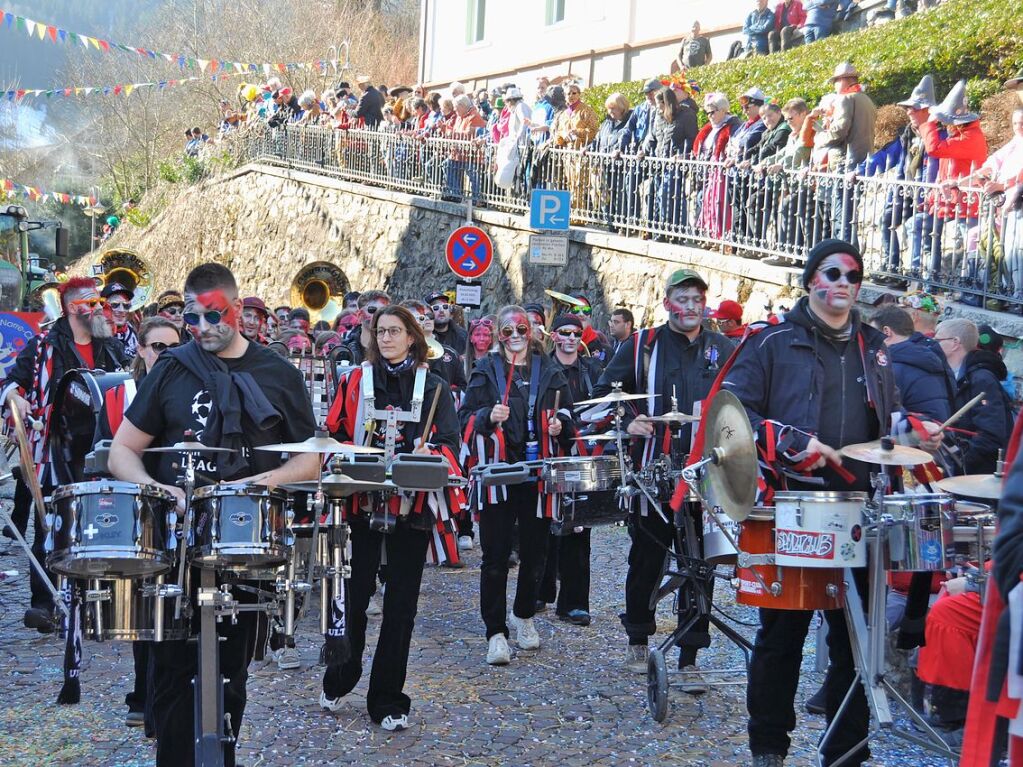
[
  {"x": 160, "y": 347},
  {"x": 508, "y": 330},
  {"x": 92, "y": 303},
  {"x": 485, "y": 322},
  {"x": 585, "y": 311},
  {"x": 173, "y": 311},
  {"x": 569, "y": 333},
  {"x": 441, "y": 307},
  {"x": 212, "y": 317},
  {"x": 118, "y": 305},
  {"x": 834, "y": 273}
]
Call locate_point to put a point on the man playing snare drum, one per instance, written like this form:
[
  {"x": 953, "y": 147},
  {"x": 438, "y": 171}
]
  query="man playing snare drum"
[{"x": 811, "y": 385}]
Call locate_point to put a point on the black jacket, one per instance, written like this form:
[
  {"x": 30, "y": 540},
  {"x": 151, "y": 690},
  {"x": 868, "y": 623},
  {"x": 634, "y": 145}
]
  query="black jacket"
[
  {"x": 107, "y": 354},
  {"x": 983, "y": 371},
  {"x": 778, "y": 376},
  {"x": 454, "y": 335},
  {"x": 668, "y": 139},
  {"x": 450, "y": 368},
  {"x": 371, "y": 107},
  {"x": 924, "y": 379},
  {"x": 486, "y": 388}
]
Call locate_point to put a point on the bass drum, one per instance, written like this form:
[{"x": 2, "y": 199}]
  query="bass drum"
[{"x": 88, "y": 407}]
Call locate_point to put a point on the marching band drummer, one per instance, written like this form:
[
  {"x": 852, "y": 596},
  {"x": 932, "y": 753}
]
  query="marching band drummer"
[
  {"x": 680, "y": 358},
  {"x": 119, "y": 298},
  {"x": 509, "y": 415},
  {"x": 396, "y": 366},
  {"x": 230, "y": 393},
  {"x": 818, "y": 381}
]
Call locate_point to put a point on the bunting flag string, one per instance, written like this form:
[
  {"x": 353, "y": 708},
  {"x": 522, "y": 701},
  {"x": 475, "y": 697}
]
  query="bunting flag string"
[
  {"x": 11, "y": 189},
  {"x": 123, "y": 89},
  {"x": 42, "y": 31}
]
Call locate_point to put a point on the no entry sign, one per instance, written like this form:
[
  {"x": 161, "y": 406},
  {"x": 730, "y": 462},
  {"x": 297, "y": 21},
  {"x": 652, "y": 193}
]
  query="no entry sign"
[{"x": 470, "y": 252}]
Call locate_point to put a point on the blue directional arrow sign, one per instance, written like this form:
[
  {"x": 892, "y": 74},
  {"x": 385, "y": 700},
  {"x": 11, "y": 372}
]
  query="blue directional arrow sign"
[{"x": 548, "y": 209}]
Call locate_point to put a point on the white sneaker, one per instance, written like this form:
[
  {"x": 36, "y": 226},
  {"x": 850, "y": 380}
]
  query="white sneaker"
[
  {"x": 498, "y": 651},
  {"x": 525, "y": 632},
  {"x": 395, "y": 723},
  {"x": 465, "y": 543},
  {"x": 287, "y": 658},
  {"x": 636, "y": 658},
  {"x": 375, "y": 606},
  {"x": 329, "y": 704}
]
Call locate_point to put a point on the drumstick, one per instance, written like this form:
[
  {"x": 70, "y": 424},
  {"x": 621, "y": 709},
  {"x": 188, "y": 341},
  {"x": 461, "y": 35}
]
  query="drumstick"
[
  {"x": 843, "y": 472},
  {"x": 507, "y": 384},
  {"x": 963, "y": 410},
  {"x": 557, "y": 402},
  {"x": 429, "y": 418}
]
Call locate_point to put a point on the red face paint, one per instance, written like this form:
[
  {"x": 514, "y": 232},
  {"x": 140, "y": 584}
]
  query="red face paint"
[
  {"x": 515, "y": 319},
  {"x": 218, "y": 301},
  {"x": 840, "y": 294}
]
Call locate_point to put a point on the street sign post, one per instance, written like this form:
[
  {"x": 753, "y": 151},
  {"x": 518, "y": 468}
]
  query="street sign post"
[
  {"x": 469, "y": 252},
  {"x": 549, "y": 209},
  {"x": 548, "y": 249}
]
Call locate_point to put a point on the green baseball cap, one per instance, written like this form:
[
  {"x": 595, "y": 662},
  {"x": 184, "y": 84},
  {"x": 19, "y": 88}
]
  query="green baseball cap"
[{"x": 679, "y": 276}]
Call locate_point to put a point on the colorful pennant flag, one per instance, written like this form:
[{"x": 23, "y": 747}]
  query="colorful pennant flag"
[
  {"x": 11, "y": 189},
  {"x": 121, "y": 89}
]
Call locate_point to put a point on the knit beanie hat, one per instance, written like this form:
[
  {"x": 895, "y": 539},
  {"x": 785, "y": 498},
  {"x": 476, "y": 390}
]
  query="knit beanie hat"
[{"x": 822, "y": 250}]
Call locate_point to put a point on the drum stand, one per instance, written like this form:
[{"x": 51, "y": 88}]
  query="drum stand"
[{"x": 868, "y": 640}]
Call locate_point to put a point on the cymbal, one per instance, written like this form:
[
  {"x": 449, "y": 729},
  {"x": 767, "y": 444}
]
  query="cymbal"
[
  {"x": 28, "y": 466},
  {"x": 672, "y": 416},
  {"x": 874, "y": 452},
  {"x": 319, "y": 445},
  {"x": 728, "y": 437},
  {"x": 976, "y": 485},
  {"x": 614, "y": 397},
  {"x": 338, "y": 486},
  {"x": 605, "y": 437},
  {"x": 564, "y": 298},
  {"x": 189, "y": 446}
]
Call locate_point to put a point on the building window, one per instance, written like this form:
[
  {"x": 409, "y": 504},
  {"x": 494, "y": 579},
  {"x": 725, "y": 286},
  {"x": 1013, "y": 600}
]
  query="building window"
[
  {"x": 555, "y": 12},
  {"x": 475, "y": 20}
]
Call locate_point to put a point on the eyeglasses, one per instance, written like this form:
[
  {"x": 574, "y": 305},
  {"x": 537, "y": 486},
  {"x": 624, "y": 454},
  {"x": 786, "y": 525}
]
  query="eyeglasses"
[
  {"x": 834, "y": 273},
  {"x": 212, "y": 317},
  {"x": 91, "y": 303},
  {"x": 160, "y": 347},
  {"x": 509, "y": 330},
  {"x": 393, "y": 332},
  {"x": 585, "y": 311},
  {"x": 421, "y": 318},
  {"x": 173, "y": 311},
  {"x": 569, "y": 333},
  {"x": 118, "y": 305},
  {"x": 441, "y": 307},
  {"x": 947, "y": 338}
]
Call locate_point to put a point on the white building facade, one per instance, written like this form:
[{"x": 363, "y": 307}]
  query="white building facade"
[{"x": 483, "y": 43}]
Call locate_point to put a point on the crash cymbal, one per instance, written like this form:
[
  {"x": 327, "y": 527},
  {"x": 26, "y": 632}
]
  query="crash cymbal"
[
  {"x": 672, "y": 416},
  {"x": 876, "y": 452},
  {"x": 614, "y": 397},
  {"x": 728, "y": 437},
  {"x": 28, "y": 466},
  {"x": 975, "y": 485},
  {"x": 605, "y": 437},
  {"x": 564, "y": 298},
  {"x": 338, "y": 486},
  {"x": 189, "y": 446},
  {"x": 319, "y": 445}
]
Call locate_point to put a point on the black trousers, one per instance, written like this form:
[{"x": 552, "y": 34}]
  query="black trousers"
[
  {"x": 174, "y": 665},
  {"x": 568, "y": 561},
  {"x": 650, "y": 536},
  {"x": 497, "y": 523},
  {"x": 406, "y": 555},
  {"x": 774, "y": 677},
  {"x": 140, "y": 699}
]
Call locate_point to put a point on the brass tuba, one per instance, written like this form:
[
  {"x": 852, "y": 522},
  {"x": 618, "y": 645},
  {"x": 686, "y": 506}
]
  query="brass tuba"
[
  {"x": 320, "y": 288},
  {"x": 46, "y": 299},
  {"x": 129, "y": 269}
]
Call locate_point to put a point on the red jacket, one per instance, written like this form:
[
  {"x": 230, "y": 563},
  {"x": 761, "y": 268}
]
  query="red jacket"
[
  {"x": 960, "y": 153},
  {"x": 797, "y": 16}
]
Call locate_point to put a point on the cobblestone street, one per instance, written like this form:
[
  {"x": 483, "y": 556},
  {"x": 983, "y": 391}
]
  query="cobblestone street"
[{"x": 569, "y": 704}]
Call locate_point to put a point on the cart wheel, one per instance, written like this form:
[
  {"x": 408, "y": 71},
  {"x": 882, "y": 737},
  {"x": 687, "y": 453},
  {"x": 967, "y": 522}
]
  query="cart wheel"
[{"x": 657, "y": 685}]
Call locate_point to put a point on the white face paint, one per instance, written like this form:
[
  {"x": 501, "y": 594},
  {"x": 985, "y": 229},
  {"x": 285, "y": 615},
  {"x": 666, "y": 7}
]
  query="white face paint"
[
  {"x": 685, "y": 306},
  {"x": 515, "y": 332},
  {"x": 835, "y": 285},
  {"x": 568, "y": 338}
]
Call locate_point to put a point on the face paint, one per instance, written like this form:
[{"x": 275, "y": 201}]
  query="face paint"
[
  {"x": 685, "y": 309},
  {"x": 213, "y": 338},
  {"x": 299, "y": 344},
  {"x": 482, "y": 339},
  {"x": 834, "y": 297},
  {"x": 516, "y": 342},
  {"x": 568, "y": 344},
  {"x": 300, "y": 324}
]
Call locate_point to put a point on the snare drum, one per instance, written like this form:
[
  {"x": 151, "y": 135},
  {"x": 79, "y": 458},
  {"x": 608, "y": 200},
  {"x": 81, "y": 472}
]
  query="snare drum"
[
  {"x": 130, "y": 610},
  {"x": 922, "y": 536},
  {"x": 822, "y": 529},
  {"x": 238, "y": 527},
  {"x": 788, "y": 588},
  {"x": 581, "y": 474},
  {"x": 108, "y": 529},
  {"x": 592, "y": 509}
]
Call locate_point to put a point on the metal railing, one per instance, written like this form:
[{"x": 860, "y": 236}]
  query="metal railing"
[{"x": 941, "y": 239}]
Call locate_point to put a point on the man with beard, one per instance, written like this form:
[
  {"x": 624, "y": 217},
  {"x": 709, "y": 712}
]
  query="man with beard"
[
  {"x": 444, "y": 330},
  {"x": 118, "y": 298},
  {"x": 254, "y": 316},
  {"x": 79, "y": 339},
  {"x": 253, "y": 398},
  {"x": 359, "y": 340},
  {"x": 681, "y": 359},
  {"x": 170, "y": 305},
  {"x": 811, "y": 385}
]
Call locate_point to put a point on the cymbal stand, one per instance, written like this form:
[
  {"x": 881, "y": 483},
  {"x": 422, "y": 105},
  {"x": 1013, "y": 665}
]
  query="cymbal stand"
[
  {"x": 58, "y": 601},
  {"x": 868, "y": 643},
  {"x": 188, "y": 479},
  {"x": 631, "y": 484}
]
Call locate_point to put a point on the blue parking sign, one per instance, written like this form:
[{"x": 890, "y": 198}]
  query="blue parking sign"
[{"x": 548, "y": 209}]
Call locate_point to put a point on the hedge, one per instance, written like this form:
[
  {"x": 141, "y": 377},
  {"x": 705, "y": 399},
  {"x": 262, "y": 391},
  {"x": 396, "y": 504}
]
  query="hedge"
[{"x": 980, "y": 40}]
